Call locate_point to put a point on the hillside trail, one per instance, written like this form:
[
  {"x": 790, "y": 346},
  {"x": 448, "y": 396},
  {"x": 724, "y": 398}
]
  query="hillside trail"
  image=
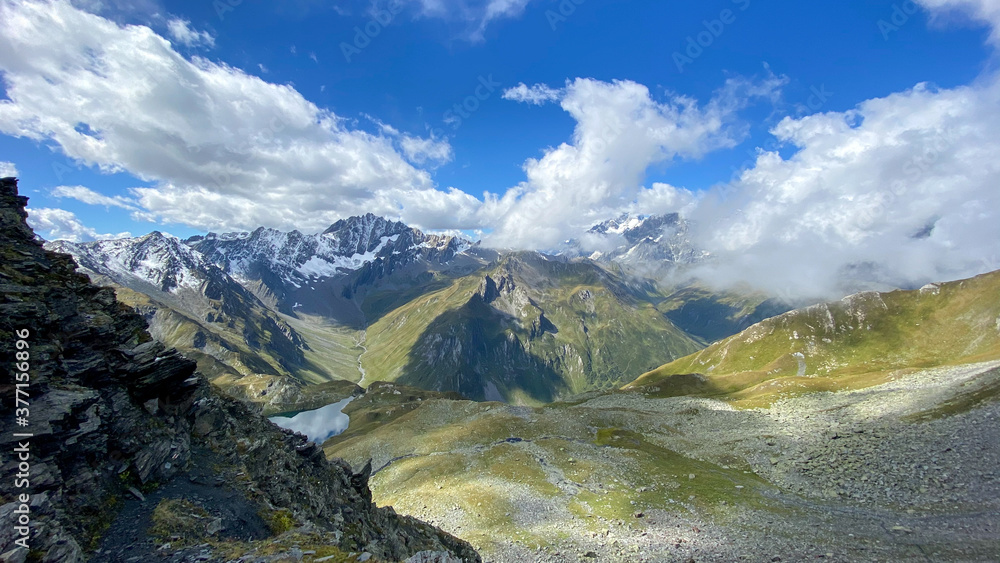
[{"x": 359, "y": 342}]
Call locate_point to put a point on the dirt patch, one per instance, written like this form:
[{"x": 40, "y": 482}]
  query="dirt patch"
[{"x": 226, "y": 512}]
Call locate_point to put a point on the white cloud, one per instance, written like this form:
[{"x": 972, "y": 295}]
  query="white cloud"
[
  {"x": 420, "y": 150},
  {"x": 417, "y": 150},
  {"x": 89, "y": 196},
  {"x": 903, "y": 190},
  {"x": 59, "y": 224},
  {"x": 224, "y": 150},
  {"x": 181, "y": 31},
  {"x": 621, "y": 131},
  {"x": 538, "y": 94},
  {"x": 7, "y": 169},
  {"x": 662, "y": 199},
  {"x": 900, "y": 191},
  {"x": 987, "y": 11},
  {"x": 477, "y": 14}
]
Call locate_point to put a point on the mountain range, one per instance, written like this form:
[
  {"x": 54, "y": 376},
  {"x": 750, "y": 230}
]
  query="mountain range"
[{"x": 271, "y": 314}]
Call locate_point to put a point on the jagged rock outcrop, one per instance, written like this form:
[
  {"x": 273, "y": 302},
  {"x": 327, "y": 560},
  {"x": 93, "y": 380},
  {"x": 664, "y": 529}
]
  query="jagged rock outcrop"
[{"x": 114, "y": 417}]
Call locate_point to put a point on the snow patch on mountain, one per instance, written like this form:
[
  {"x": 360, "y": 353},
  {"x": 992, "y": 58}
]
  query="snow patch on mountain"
[
  {"x": 318, "y": 267},
  {"x": 620, "y": 225}
]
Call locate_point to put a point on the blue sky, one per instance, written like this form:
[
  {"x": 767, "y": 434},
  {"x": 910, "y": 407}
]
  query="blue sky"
[{"x": 226, "y": 115}]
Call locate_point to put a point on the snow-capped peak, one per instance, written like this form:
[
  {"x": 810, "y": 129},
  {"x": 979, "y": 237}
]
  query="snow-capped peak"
[
  {"x": 625, "y": 222},
  {"x": 298, "y": 259},
  {"x": 163, "y": 261}
]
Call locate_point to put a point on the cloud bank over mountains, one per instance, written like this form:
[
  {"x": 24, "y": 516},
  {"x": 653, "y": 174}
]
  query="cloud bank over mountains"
[{"x": 908, "y": 182}]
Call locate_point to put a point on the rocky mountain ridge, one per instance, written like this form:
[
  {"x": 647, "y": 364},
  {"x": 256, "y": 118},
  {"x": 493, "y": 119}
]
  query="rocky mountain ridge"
[
  {"x": 230, "y": 300},
  {"x": 283, "y": 262},
  {"x": 528, "y": 329}
]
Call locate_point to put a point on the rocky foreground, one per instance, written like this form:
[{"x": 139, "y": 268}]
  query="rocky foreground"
[
  {"x": 133, "y": 457},
  {"x": 902, "y": 471}
]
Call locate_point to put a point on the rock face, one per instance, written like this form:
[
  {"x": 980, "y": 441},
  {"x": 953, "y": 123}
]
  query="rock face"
[{"x": 113, "y": 415}]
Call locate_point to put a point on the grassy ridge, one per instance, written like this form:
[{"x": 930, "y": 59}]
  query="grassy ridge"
[{"x": 856, "y": 342}]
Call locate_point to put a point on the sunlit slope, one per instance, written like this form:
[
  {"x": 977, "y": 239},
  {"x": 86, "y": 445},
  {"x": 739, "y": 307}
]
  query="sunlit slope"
[
  {"x": 624, "y": 473},
  {"x": 533, "y": 476},
  {"x": 528, "y": 330},
  {"x": 853, "y": 342}
]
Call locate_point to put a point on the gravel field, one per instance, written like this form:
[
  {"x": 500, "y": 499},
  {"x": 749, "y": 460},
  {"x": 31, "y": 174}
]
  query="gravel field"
[{"x": 869, "y": 475}]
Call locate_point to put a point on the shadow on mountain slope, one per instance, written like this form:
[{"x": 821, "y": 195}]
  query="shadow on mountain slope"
[{"x": 467, "y": 350}]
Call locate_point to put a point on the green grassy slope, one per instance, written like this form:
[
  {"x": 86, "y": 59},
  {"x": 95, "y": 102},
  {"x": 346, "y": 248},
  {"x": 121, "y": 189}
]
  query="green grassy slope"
[
  {"x": 855, "y": 342},
  {"x": 502, "y": 466}
]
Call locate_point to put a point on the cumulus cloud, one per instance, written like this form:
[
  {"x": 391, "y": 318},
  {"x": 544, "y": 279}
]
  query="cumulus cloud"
[
  {"x": 7, "y": 169},
  {"x": 59, "y": 224},
  {"x": 224, "y": 150},
  {"x": 901, "y": 190},
  {"x": 538, "y": 94},
  {"x": 181, "y": 31},
  {"x": 621, "y": 131},
  {"x": 418, "y": 150},
  {"x": 663, "y": 198}
]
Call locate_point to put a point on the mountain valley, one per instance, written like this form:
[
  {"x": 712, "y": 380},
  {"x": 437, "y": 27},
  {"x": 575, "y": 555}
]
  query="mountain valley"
[
  {"x": 557, "y": 407},
  {"x": 890, "y": 460}
]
